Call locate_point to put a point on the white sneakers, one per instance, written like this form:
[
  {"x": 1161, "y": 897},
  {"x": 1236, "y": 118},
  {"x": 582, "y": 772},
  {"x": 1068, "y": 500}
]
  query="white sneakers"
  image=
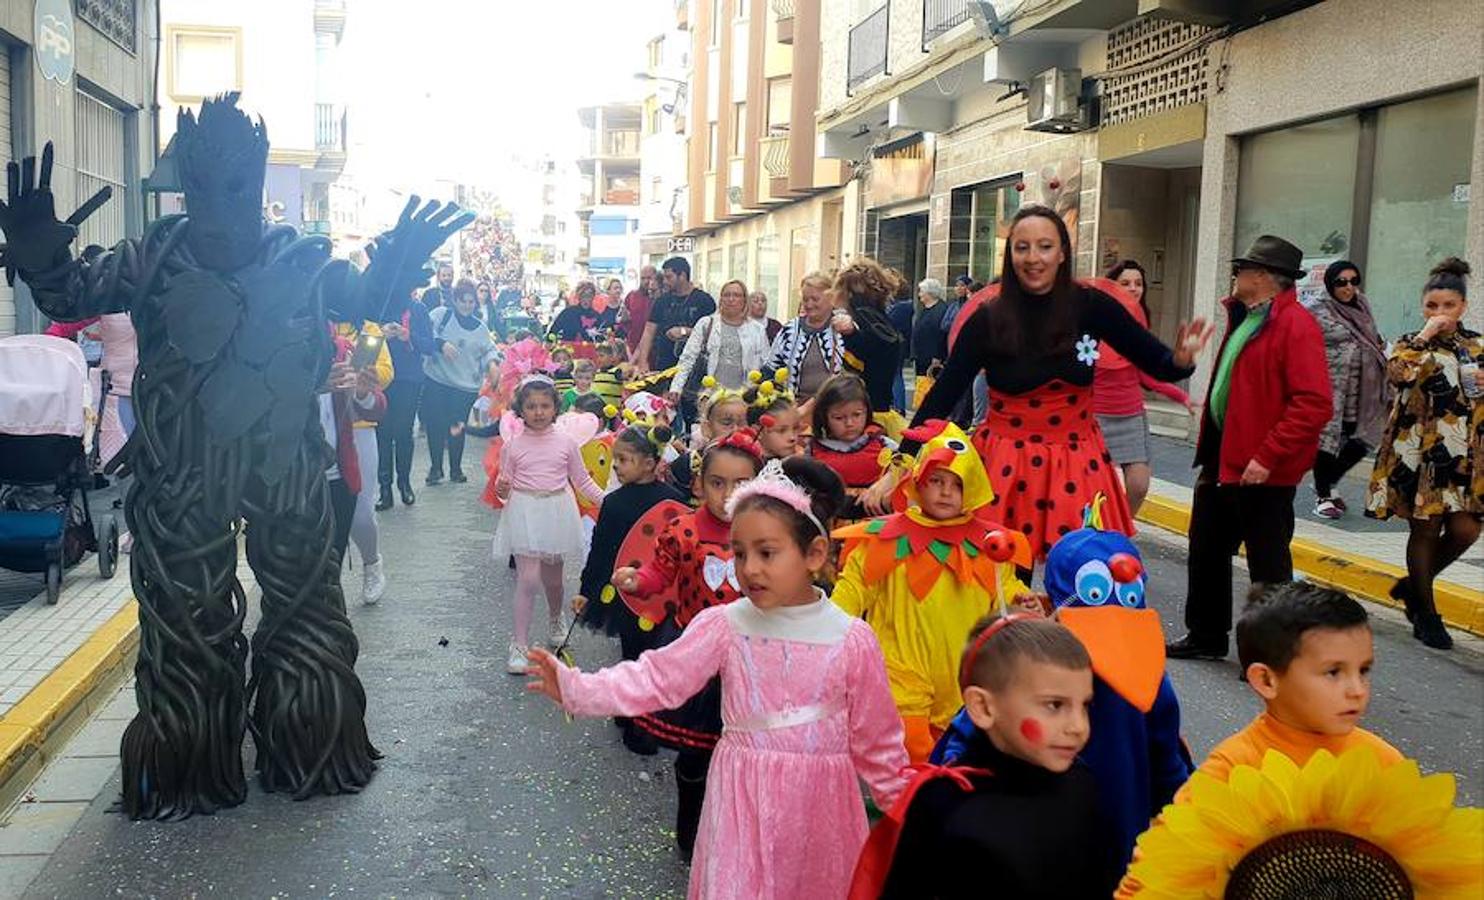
[
  {"x": 1329, "y": 508},
  {"x": 516, "y": 663},
  {"x": 373, "y": 582},
  {"x": 559, "y": 625}
]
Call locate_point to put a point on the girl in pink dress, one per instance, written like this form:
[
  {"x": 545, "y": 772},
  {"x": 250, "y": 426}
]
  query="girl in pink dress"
[{"x": 805, "y": 702}]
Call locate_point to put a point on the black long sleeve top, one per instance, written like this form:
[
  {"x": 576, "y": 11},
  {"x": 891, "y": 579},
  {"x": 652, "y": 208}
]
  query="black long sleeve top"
[
  {"x": 1023, "y": 832},
  {"x": 1098, "y": 316},
  {"x": 877, "y": 344}
]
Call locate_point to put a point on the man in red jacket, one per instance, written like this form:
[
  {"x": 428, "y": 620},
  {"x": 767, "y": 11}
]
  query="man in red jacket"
[{"x": 1268, "y": 401}]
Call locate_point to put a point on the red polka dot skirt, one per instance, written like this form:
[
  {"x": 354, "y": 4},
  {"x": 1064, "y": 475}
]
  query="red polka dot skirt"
[{"x": 1046, "y": 461}]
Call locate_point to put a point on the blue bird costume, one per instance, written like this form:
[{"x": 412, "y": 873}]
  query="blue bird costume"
[{"x": 1096, "y": 580}]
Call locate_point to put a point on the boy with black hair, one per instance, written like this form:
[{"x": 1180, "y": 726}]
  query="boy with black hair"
[
  {"x": 1018, "y": 817},
  {"x": 1307, "y": 651}
]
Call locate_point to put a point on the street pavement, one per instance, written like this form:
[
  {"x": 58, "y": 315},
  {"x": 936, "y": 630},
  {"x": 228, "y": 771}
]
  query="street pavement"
[{"x": 486, "y": 790}]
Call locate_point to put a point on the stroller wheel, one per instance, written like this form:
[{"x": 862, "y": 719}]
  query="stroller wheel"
[
  {"x": 108, "y": 549},
  {"x": 53, "y": 583}
]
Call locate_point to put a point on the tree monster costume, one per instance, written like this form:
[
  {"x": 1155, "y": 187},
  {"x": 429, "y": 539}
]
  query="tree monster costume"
[
  {"x": 922, "y": 583},
  {"x": 234, "y": 346}
]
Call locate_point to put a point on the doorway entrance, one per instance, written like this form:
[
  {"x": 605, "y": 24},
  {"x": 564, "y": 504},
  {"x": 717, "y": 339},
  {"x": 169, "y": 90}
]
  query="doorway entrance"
[{"x": 902, "y": 244}]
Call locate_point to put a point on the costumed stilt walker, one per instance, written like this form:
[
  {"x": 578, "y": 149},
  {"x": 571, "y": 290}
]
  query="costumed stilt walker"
[
  {"x": 922, "y": 577},
  {"x": 234, "y": 346}
]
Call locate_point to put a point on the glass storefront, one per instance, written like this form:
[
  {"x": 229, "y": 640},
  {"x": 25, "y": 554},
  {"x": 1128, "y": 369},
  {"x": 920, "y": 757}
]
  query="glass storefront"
[
  {"x": 738, "y": 263},
  {"x": 979, "y": 220},
  {"x": 1386, "y": 187},
  {"x": 714, "y": 273},
  {"x": 766, "y": 251}
]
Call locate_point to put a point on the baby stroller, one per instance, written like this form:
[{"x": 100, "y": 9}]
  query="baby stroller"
[{"x": 48, "y": 458}]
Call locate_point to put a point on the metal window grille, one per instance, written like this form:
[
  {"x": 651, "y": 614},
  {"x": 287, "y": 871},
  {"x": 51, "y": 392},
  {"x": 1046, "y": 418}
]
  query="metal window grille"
[
  {"x": 115, "y": 19},
  {"x": 1174, "y": 82},
  {"x": 100, "y": 163},
  {"x": 940, "y": 17},
  {"x": 870, "y": 42}
]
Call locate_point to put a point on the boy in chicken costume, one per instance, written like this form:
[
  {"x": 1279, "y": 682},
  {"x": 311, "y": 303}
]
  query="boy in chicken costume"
[
  {"x": 922, "y": 577},
  {"x": 1096, "y": 581}
]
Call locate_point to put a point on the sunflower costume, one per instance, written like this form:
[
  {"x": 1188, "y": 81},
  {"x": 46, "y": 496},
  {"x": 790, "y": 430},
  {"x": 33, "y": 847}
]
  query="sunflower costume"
[
  {"x": 1343, "y": 826},
  {"x": 922, "y": 583}
]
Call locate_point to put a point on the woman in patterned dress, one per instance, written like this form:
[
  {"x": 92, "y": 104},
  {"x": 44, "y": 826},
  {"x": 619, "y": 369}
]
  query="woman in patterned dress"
[{"x": 1430, "y": 467}]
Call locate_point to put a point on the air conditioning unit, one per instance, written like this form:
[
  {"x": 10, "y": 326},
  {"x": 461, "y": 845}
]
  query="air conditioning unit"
[{"x": 1054, "y": 102}]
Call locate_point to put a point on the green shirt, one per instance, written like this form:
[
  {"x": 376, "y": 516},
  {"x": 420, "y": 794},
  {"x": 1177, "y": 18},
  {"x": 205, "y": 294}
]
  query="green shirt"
[{"x": 1221, "y": 382}]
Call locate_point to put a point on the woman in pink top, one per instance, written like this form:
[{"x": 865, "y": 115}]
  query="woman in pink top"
[
  {"x": 1118, "y": 393},
  {"x": 807, "y": 711},
  {"x": 120, "y": 357},
  {"x": 539, "y": 524}
]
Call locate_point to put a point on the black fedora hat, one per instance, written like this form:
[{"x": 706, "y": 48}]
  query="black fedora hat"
[{"x": 1275, "y": 255}]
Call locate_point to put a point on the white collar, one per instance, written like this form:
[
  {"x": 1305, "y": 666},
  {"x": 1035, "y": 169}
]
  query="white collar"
[{"x": 820, "y": 622}]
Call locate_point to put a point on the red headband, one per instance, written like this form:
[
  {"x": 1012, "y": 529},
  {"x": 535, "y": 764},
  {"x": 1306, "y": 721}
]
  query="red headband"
[
  {"x": 744, "y": 439},
  {"x": 972, "y": 652}
]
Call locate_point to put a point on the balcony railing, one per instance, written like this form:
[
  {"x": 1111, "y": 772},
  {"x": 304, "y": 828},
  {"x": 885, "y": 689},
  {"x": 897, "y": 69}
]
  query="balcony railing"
[
  {"x": 774, "y": 148},
  {"x": 940, "y": 17},
  {"x": 329, "y": 129},
  {"x": 870, "y": 41}
]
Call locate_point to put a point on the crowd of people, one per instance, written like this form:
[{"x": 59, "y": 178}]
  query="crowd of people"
[{"x": 810, "y": 591}]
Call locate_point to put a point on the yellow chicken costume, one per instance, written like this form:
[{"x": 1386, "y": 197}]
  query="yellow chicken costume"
[{"x": 922, "y": 583}]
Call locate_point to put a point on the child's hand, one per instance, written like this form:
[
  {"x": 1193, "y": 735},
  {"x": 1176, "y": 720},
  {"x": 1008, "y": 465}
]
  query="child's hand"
[
  {"x": 502, "y": 489},
  {"x": 626, "y": 579},
  {"x": 543, "y": 674},
  {"x": 1035, "y": 604},
  {"x": 456, "y": 429},
  {"x": 579, "y": 603}
]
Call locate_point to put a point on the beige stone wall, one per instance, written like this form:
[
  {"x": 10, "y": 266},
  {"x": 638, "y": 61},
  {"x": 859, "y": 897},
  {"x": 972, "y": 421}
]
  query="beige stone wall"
[
  {"x": 1000, "y": 147},
  {"x": 1330, "y": 58}
]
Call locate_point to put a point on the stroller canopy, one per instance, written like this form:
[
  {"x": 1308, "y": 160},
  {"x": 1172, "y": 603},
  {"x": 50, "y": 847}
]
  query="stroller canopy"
[{"x": 44, "y": 386}]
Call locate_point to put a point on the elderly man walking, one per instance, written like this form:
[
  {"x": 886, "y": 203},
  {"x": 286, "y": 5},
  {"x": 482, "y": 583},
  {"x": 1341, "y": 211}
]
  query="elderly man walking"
[{"x": 1268, "y": 401}]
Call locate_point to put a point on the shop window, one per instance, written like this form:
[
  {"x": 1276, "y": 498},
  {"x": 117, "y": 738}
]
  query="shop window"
[
  {"x": 1387, "y": 187},
  {"x": 738, "y": 262},
  {"x": 1419, "y": 201},
  {"x": 203, "y": 61},
  {"x": 765, "y": 250},
  {"x": 979, "y": 222},
  {"x": 1299, "y": 184},
  {"x": 714, "y": 275}
]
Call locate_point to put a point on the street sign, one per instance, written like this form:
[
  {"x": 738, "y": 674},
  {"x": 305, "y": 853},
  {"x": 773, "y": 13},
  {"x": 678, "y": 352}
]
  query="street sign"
[
  {"x": 55, "y": 44},
  {"x": 682, "y": 245}
]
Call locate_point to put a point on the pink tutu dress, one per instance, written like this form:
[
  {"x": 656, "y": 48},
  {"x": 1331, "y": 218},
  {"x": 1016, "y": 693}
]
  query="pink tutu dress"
[{"x": 807, "y": 715}]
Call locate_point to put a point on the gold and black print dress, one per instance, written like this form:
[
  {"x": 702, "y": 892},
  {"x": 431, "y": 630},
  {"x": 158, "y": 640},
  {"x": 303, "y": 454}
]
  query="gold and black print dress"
[{"x": 1431, "y": 459}]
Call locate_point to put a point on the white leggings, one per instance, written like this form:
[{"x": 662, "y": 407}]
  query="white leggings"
[{"x": 364, "y": 531}]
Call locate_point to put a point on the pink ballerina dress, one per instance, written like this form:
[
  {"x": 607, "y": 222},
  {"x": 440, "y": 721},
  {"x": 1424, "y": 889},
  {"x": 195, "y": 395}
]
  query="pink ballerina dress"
[{"x": 807, "y": 716}]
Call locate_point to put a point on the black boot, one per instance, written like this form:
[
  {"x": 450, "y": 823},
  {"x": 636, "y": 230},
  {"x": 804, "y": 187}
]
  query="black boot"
[
  {"x": 1401, "y": 592},
  {"x": 435, "y": 476},
  {"x": 1430, "y": 631},
  {"x": 1194, "y": 647},
  {"x": 408, "y": 497},
  {"x": 384, "y": 502}
]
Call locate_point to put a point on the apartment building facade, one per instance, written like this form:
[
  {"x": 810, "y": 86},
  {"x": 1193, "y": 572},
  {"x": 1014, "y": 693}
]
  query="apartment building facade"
[
  {"x": 81, "y": 76},
  {"x": 609, "y": 209},
  {"x": 761, "y": 205}
]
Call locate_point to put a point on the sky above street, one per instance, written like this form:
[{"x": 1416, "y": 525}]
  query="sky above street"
[{"x": 450, "y": 89}]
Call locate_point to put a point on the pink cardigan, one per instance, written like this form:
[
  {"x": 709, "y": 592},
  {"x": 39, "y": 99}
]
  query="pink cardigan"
[{"x": 545, "y": 461}]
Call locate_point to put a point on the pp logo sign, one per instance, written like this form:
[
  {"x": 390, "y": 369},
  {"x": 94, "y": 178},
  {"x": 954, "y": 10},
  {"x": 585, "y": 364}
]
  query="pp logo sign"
[{"x": 55, "y": 40}]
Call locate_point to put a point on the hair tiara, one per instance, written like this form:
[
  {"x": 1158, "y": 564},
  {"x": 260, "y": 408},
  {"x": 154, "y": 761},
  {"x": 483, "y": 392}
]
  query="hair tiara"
[
  {"x": 536, "y": 378},
  {"x": 772, "y": 482}
]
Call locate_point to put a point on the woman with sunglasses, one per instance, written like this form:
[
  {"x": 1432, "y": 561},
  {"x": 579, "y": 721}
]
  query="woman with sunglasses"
[{"x": 1356, "y": 357}]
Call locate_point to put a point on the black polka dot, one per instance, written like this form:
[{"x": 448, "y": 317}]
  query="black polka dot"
[
  {"x": 995, "y": 501},
  {"x": 1092, "y": 465},
  {"x": 1072, "y": 400},
  {"x": 1043, "y": 504},
  {"x": 1073, "y": 437},
  {"x": 1015, "y": 422},
  {"x": 1070, "y": 487},
  {"x": 647, "y": 530},
  {"x": 1035, "y": 403},
  {"x": 1027, "y": 528},
  {"x": 1021, "y": 485},
  {"x": 1063, "y": 529},
  {"x": 1107, "y": 457},
  {"x": 1082, "y": 415},
  {"x": 1045, "y": 547},
  {"x": 1005, "y": 472},
  {"x": 998, "y": 406},
  {"x": 1037, "y": 460},
  {"x": 1054, "y": 386},
  {"x": 1054, "y": 421},
  {"x": 1009, "y": 514},
  {"x": 1020, "y": 445},
  {"x": 1036, "y": 439}
]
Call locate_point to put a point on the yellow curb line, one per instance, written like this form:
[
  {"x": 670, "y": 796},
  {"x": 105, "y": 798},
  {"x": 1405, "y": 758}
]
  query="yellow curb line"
[
  {"x": 1368, "y": 578},
  {"x": 37, "y": 726}
]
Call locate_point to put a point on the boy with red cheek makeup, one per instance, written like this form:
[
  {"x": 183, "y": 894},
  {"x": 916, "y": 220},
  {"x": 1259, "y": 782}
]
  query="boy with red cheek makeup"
[{"x": 1019, "y": 805}]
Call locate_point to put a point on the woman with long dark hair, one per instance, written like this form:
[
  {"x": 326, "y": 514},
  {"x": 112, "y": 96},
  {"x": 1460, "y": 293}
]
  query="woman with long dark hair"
[
  {"x": 1118, "y": 393},
  {"x": 1037, "y": 344}
]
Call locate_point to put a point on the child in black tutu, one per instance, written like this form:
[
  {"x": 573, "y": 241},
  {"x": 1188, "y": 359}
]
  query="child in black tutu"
[{"x": 636, "y": 457}]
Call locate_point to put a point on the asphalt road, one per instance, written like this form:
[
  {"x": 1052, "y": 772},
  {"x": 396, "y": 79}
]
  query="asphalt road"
[{"x": 488, "y": 791}]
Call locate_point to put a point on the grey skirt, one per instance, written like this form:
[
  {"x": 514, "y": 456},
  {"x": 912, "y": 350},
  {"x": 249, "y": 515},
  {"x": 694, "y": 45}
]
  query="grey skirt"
[{"x": 1127, "y": 438}]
